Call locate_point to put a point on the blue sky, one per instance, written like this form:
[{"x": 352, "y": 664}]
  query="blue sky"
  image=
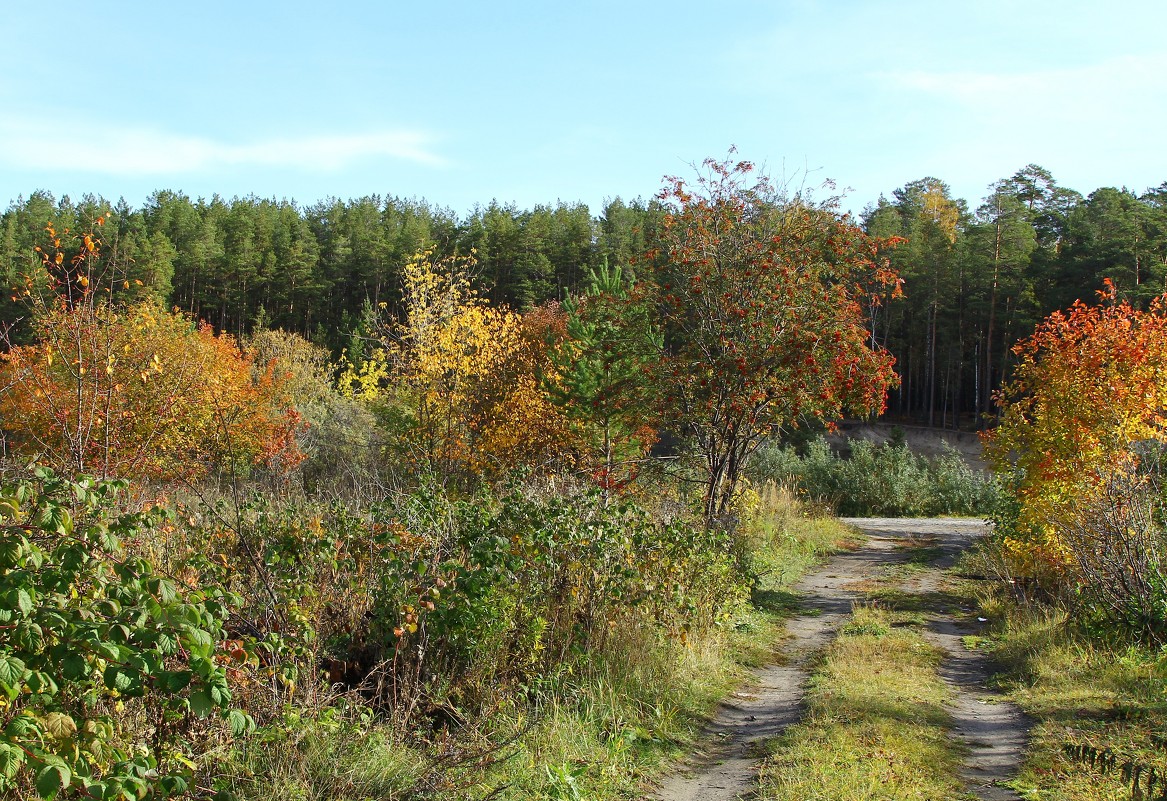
[{"x": 533, "y": 102}]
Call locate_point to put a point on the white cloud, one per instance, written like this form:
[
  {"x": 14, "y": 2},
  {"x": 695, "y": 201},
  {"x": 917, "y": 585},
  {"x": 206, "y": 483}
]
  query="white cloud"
[
  {"x": 1130, "y": 84},
  {"x": 44, "y": 145}
]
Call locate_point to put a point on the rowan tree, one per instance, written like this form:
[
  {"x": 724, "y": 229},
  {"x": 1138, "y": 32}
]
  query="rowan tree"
[{"x": 760, "y": 297}]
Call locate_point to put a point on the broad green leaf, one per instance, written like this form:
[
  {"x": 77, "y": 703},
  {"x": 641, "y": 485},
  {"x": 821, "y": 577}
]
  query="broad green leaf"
[
  {"x": 167, "y": 643},
  {"x": 40, "y": 682},
  {"x": 23, "y": 602},
  {"x": 12, "y": 671},
  {"x": 52, "y": 779},
  {"x": 240, "y": 722},
  {"x": 200, "y": 702},
  {"x": 57, "y": 520},
  {"x": 173, "y": 785},
  {"x": 116, "y": 678},
  {"x": 173, "y": 681},
  {"x": 10, "y": 551},
  {"x": 108, "y": 650},
  {"x": 11, "y": 758},
  {"x": 30, "y": 637},
  {"x": 74, "y": 666}
]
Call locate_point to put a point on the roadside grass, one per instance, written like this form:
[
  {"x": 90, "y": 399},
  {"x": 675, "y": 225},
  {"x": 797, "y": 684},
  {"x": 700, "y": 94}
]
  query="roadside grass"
[
  {"x": 1081, "y": 688},
  {"x": 876, "y": 726},
  {"x": 600, "y": 728}
]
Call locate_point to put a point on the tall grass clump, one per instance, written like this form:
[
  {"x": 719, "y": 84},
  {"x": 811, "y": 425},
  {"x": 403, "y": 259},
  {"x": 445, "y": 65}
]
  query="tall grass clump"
[{"x": 880, "y": 480}]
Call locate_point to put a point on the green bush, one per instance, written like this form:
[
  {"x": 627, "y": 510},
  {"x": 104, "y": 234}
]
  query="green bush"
[
  {"x": 106, "y": 665},
  {"x": 880, "y": 480},
  {"x": 495, "y": 594},
  {"x": 437, "y": 606}
]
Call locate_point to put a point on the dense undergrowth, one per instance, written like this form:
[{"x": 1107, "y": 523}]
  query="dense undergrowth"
[
  {"x": 880, "y": 480},
  {"x": 521, "y": 643}
]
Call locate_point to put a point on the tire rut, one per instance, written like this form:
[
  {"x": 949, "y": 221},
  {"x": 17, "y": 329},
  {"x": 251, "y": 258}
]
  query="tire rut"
[{"x": 724, "y": 765}]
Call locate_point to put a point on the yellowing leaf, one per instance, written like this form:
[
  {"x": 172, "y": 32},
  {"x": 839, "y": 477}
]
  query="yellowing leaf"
[{"x": 59, "y": 726}]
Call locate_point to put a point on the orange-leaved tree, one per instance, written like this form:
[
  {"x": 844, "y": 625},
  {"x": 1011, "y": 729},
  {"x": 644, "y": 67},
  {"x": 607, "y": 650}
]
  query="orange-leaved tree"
[
  {"x": 1090, "y": 385},
  {"x": 760, "y": 296},
  {"x": 132, "y": 392}
]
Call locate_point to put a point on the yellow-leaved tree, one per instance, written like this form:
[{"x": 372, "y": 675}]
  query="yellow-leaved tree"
[
  {"x": 1087, "y": 402},
  {"x": 459, "y": 381}
]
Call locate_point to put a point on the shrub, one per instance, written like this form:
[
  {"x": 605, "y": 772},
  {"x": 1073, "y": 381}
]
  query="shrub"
[
  {"x": 106, "y": 664},
  {"x": 494, "y": 593},
  {"x": 340, "y": 441},
  {"x": 132, "y": 390},
  {"x": 458, "y": 383},
  {"x": 1118, "y": 546},
  {"x": 880, "y": 480},
  {"x": 1089, "y": 384}
]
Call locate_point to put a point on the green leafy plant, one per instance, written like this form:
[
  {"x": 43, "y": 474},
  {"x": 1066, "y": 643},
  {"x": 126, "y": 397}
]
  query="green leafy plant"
[
  {"x": 881, "y": 480},
  {"x": 106, "y": 665}
]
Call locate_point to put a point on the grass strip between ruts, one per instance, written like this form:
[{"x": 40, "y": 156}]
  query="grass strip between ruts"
[{"x": 876, "y": 726}]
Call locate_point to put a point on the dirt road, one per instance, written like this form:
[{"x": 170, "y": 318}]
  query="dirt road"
[{"x": 724, "y": 766}]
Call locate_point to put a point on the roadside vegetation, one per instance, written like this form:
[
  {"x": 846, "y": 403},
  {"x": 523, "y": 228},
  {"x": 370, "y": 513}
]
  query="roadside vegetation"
[
  {"x": 1097, "y": 697},
  {"x": 1077, "y": 596},
  {"x": 442, "y": 563},
  {"x": 886, "y": 480}
]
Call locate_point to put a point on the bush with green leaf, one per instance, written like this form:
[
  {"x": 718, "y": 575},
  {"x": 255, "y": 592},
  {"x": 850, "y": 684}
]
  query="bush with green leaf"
[
  {"x": 884, "y": 480},
  {"x": 106, "y": 665},
  {"x": 429, "y": 603}
]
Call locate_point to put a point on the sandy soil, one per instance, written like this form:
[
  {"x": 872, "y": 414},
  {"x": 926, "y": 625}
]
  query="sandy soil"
[{"x": 724, "y": 765}]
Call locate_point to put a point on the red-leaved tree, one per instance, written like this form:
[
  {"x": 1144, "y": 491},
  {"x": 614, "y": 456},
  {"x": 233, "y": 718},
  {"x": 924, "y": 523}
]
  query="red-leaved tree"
[{"x": 760, "y": 295}]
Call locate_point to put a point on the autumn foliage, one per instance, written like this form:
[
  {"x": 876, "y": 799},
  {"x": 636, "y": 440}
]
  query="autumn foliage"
[
  {"x": 1090, "y": 386},
  {"x": 459, "y": 381},
  {"x": 134, "y": 392},
  {"x": 761, "y": 302}
]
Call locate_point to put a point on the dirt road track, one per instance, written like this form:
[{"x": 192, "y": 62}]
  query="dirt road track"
[{"x": 724, "y": 766}]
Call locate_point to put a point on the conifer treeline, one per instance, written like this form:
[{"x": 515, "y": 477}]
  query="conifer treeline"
[
  {"x": 974, "y": 280},
  {"x": 314, "y": 270},
  {"x": 977, "y": 281}
]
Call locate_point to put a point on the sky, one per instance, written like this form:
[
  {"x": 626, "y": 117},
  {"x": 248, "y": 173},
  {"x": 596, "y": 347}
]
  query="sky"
[{"x": 461, "y": 103}]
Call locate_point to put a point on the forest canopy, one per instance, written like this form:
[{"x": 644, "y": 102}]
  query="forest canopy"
[{"x": 977, "y": 274}]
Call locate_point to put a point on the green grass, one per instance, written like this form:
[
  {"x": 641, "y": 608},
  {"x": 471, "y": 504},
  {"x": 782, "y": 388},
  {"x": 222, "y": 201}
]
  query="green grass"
[
  {"x": 1079, "y": 690},
  {"x": 334, "y": 756},
  {"x": 876, "y": 726},
  {"x": 1079, "y": 687}
]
